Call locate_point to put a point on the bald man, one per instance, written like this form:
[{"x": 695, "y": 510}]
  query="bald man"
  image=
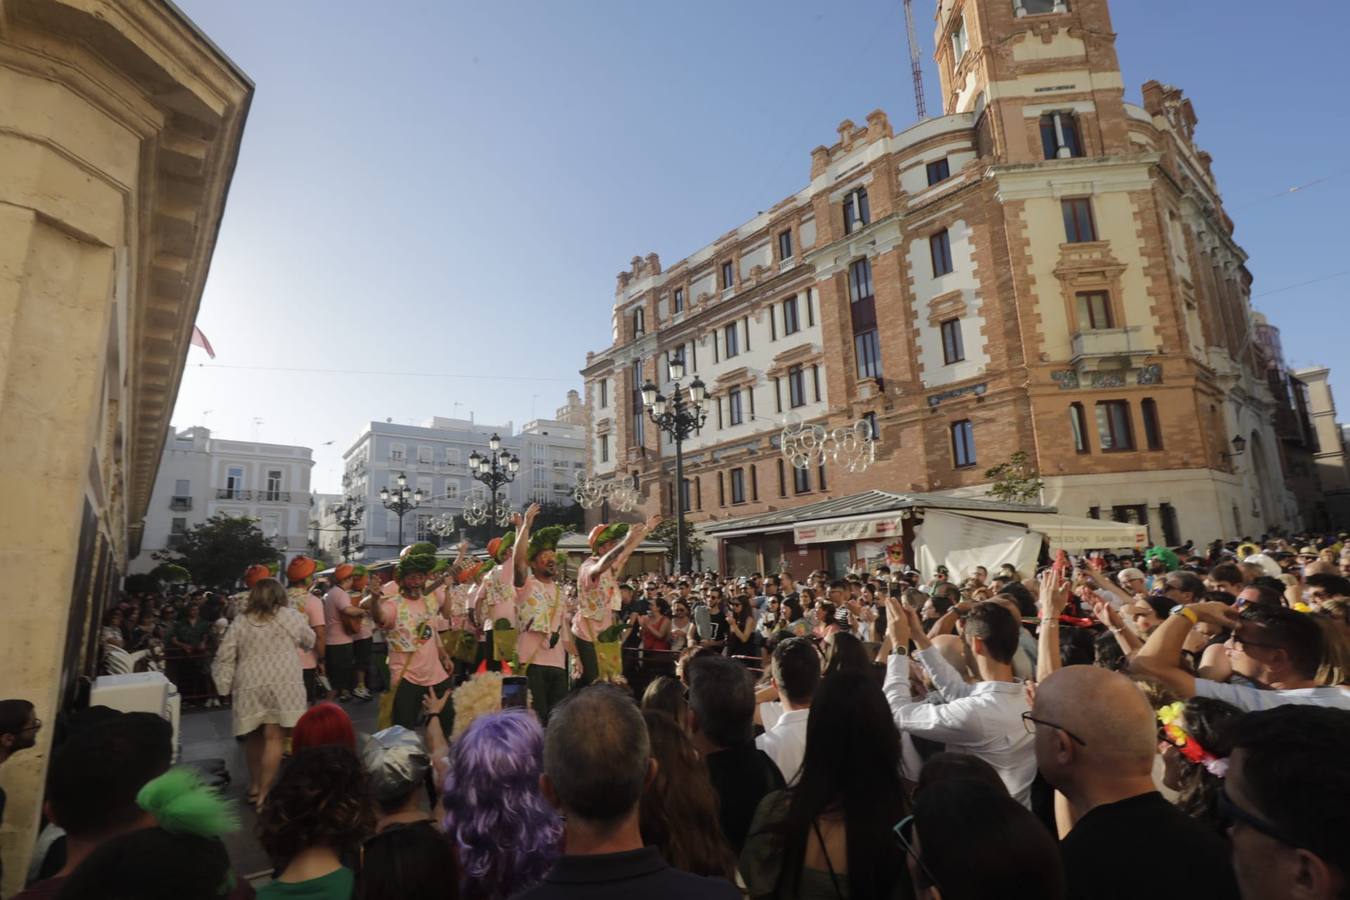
[{"x": 1095, "y": 740}]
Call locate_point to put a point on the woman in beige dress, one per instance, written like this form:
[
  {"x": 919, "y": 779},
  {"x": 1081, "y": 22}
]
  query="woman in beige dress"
[{"x": 257, "y": 663}]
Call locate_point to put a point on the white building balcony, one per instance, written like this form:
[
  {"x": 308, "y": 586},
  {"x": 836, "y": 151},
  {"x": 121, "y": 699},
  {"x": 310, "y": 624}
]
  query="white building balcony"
[{"x": 1109, "y": 348}]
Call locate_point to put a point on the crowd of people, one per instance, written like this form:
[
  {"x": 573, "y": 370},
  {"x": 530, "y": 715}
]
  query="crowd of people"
[{"x": 1164, "y": 724}]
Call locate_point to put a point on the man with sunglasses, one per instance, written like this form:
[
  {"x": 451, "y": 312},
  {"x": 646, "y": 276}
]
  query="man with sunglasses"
[
  {"x": 1286, "y": 795},
  {"x": 1281, "y": 648}
]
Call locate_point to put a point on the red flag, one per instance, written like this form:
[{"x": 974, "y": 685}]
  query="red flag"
[{"x": 199, "y": 339}]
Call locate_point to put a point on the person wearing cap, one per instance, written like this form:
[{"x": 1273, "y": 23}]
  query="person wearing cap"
[
  {"x": 598, "y": 590},
  {"x": 299, "y": 577},
  {"x": 342, "y": 624},
  {"x": 398, "y": 765},
  {"x": 544, "y": 638},
  {"x": 495, "y": 604},
  {"x": 408, "y": 619}
]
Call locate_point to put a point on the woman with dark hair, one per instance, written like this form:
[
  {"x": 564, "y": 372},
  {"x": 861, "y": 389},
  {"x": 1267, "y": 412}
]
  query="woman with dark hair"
[
  {"x": 318, "y": 810},
  {"x": 829, "y": 835},
  {"x": 504, "y": 831},
  {"x": 968, "y": 840},
  {"x": 678, "y": 813},
  {"x": 1195, "y": 755},
  {"x": 740, "y": 628},
  {"x": 792, "y": 618},
  {"x": 408, "y": 862},
  {"x": 656, "y": 627},
  {"x": 945, "y": 766},
  {"x": 844, "y": 652},
  {"x": 666, "y": 694}
]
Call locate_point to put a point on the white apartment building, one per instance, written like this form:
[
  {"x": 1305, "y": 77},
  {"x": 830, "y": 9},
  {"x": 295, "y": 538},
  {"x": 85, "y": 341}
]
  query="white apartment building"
[
  {"x": 434, "y": 458},
  {"x": 324, "y": 531},
  {"x": 200, "y": 476}
]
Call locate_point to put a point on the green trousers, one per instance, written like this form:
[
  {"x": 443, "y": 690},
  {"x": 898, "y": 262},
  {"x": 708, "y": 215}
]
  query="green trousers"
[
  {"x": 408, "y": 705},
  {"x": 548, "y": 687}
]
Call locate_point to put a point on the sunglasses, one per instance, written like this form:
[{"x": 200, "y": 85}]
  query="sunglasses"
[
  {"x": 904, "y": 832},
  {"x": 1231, "y": 812},
  {"x": 1029, "y": 722}
]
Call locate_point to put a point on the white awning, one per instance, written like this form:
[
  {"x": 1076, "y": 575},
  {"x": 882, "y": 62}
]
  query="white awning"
[
  {"x": 873, "y": 528},
  {"x": 1072, "y": 533}
]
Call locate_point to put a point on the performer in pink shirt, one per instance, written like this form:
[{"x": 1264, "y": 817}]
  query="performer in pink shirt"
[
  {"x": 495, "y": 604},
  {"x": 544, "y": 638},
  {"x": 299, "y": 577},
  {"x": 408, "y": 620},
  {"x": 598, "y": 590}
]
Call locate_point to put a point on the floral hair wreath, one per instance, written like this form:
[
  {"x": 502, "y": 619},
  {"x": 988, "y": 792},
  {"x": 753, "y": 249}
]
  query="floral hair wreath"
[{"x": 1171, "y": 717}]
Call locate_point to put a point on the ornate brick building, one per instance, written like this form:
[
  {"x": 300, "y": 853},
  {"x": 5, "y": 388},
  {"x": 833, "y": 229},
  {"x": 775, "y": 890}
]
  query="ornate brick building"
[{"x": 1044, "y": 268}]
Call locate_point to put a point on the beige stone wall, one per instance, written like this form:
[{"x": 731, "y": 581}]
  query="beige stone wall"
[{"x": 115, "y": 154}]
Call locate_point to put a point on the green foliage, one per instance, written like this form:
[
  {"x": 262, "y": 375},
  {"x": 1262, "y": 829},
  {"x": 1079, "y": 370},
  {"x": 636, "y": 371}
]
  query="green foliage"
[
  {"x": 1015, "y": 481},
  {"x": 666, "y": 532},
  {"x": 218, "y": 550},
  {"x": 170, "y": 573}
]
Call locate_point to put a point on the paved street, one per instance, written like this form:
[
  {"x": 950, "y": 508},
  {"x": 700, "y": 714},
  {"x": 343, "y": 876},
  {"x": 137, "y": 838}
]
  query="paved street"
[{"x": 206, "y": 734}]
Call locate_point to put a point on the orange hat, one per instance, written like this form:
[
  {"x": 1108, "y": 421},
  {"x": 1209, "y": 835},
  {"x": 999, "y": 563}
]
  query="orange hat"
[
  {"x": 300, "y": 568},
  {"x": 469, "y": 573},
  {"x": 343, "y": 571},
  {"x": 256, "y": 573}
]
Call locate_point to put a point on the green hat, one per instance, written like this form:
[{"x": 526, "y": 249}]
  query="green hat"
[
  {"x": 545, "y": 539},
  {"x": 421, "y": 548},
  {"x": 359, "y": 570},
  {"x": 415, "y": 562},
  {"x": 603, "y": 534},
  {"x": 1166, "y": 555}
]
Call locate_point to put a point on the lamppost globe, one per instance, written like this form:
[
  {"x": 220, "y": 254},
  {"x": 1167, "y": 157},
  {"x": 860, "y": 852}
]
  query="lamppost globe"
[
  {"x": 384, "y": 493},
  {"x": 658, "y": 405},
  {"x": 495, "y": 468},
  {"x": 698, "y": 391},
  {"x": 402, "y": 480},
  {"x": 676, "y": 368},
  {"x": 494, "y": 443},
  {"x": 649, "y": 392},
  {"x": 474, "y": 460},
  {"x": 513, "y": 464}
]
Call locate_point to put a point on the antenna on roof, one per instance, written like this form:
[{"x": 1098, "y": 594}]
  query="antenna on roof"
[{"x": 920, "y": 107}]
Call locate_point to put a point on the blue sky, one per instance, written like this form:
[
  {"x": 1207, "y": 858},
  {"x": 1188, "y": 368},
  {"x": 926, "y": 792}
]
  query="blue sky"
[{"x": 450, "y": 188}]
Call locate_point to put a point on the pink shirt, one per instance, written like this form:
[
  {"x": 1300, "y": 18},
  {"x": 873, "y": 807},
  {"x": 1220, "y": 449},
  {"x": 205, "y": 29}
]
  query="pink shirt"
[
  {"x": 541, "y": 614},
  {"x": 422, "y": 666},
  {"x": 311, "y": 607},
  {"x": 498, "y": 596},
  {"x": 334, "y": 602},
  {"x": 597, "y": 598}
]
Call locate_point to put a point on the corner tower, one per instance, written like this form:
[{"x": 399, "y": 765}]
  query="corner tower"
[{"x": 1040, "y": 76}]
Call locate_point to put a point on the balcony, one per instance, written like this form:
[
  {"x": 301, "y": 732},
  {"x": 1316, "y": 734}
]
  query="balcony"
[
  {"x": 253, "y": 496},
  {"x": 1109, "y": 348},
  {"x": 180, "y": 504}
]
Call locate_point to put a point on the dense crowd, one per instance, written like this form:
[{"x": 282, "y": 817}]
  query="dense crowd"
[{"x": 1165, "y": 724}]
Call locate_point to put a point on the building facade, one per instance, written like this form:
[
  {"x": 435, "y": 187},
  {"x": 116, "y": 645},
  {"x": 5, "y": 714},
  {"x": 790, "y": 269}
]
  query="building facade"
[
  {"x": 1043, "y": 268},
  {"x": 1329, "y": 446},
  {"x": 325, "y": 534},
  {"x": 119, "y": 131},
  {"x": 434, "y": 458},
  {"x": 200, "y": 476}
]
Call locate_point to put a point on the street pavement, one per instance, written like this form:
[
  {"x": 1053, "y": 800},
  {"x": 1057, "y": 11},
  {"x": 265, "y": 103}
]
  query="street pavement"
[{"x": 207, "y": 734}]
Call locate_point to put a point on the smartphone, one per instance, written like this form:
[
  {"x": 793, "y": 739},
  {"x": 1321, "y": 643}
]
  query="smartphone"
[{"x": 513, "y": 692}]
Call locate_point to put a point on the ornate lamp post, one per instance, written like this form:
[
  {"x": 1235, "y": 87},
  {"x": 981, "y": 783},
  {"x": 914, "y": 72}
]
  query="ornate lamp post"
[
  {"x": 399, "y": 501},
  {"x": 678, "y": 417},
  {"x": 499, "y": 467},
  {"x": 347, "y": 515}
]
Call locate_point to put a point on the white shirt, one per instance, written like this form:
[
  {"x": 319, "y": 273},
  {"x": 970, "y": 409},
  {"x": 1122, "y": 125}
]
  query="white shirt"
[
  {"x": 1252, "y": 699},
  {"x": 983, "y": 719},
  {"x": 785, "y": 743}
]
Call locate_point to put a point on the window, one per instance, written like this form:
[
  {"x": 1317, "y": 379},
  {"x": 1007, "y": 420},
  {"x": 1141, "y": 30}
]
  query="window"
[
  {"x": 639, "y": 322},
  {"x": 754, "y": 482},
  {"x": 730, "y": 339},
  {"x": 860, "y": 280},
  {"x": 785, "y": 244},
  {"x": 234, "y": 483},
  {"x": 728, "y": 275},
  {"x": 1094, "y": 310},
  {"x": 721, "y": 490},
  {"x": 182, "y": 487},
  {"x": 451, "y": 489},
  {"x": 796, "y": 387},
  {"x": 940, "y": 249},
  {"x": 1059, "y": 136},
  {"x": 452, "y": 456},
  {"x": 810, "y": 310},
  {"x": 963, "y": 443},
  {"x": 801, "y": 480},
  {"x": 791, "y": 323},
  {"x": 604, "y": 448},
  {"x": 867, "y": 347},
  {"x": 856, "y": 211},
  {"x": 397, "y": 452},
  {"x": 1113, "y": 426},
  {"x": 1037, "y": 7},
  {"x": 815, "y": 382},
  {"x": 684, "y": 494},
  {"x": 737, "y": 485},
  {"x": 734, "y": 415},
  {"x": 959, "y": 41},
  {"x": 746, "y": 321},
  {"x": 1078, "y": 425},
  {"x": 604, "y": 393},
  {"x": 938, "y": 171},
  {"x": 639, "y": 413},
  {"x": 274, "y": 484},
  {"x": 871, "y": 420},
  {"x": 1078, "y": 225},
  {"x": 178, "y": 525},
  {"x": 782, "y": 479},
  {"x": 1152, "y": 429},
  {"x": 820, "y": 477},
  {"x": 677, "y": 301},
  {"x": 953, "y": 350},
  {"x": 424, "y": 455},
  {"x": 423, "y": 527},
  {"x": 777, "y": 394}
]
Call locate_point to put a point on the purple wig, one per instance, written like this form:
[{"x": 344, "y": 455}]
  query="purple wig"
[{"x": 506, "y": 833}]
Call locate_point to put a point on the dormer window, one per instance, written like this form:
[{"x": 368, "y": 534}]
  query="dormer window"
[
  {"x": 959, "y": 43},
  {"x": 856, "y": 212}
]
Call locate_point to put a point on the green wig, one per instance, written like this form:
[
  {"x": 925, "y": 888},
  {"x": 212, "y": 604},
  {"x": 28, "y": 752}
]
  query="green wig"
[
  {"x": 182, "y": 803},
  {"x": 415, "y": 562},
  {"x": 421, "y": 548},
  {"x": 498, "y": 547},
  {"x": 359, "y": 571},
  {"x": 1163, "y": 553},
  {"x": 615, "y": 532},
  {"x": 545, "y": 539}
]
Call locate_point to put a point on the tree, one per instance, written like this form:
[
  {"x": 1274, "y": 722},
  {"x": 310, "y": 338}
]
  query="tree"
[
  {"x": 1015, "y": 481},
  {"x": 693, "y": 542},
  {"x": 218, "y": 550},
  {"x": 320, "y": 555}
]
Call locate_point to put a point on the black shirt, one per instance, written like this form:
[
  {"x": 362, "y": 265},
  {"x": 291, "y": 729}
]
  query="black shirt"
[
  {"x": 741, "y": 777},
  {"x": 635, "y": 873},
  {"x": 1195, "y": 861}
]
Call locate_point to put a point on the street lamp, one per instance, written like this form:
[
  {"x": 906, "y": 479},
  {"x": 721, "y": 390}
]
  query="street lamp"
[
  {"x": 499, "y": 467},
  {"x": 678, "y": 418},
  {"x": 347, "y": 515},
  {"x": 400, "y": 500}
]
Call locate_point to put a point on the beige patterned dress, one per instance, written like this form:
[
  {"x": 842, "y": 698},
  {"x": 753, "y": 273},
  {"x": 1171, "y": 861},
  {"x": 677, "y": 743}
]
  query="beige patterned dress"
[{"x": 258, "y": 664}]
